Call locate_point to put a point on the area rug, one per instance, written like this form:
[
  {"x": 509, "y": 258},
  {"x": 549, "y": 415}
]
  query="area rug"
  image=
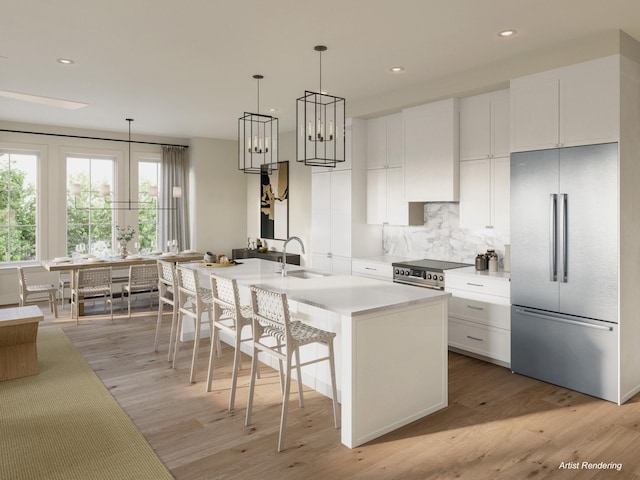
[{"x": 64, "y": 424}]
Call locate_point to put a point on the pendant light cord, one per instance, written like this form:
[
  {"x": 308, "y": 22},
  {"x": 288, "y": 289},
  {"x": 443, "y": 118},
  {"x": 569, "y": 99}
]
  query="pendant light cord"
[
  {"x": 320, "y": 71},
  {"x": 129, "y": 120}
]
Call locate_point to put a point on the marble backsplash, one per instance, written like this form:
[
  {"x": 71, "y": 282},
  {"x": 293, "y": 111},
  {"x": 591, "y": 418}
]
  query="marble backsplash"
[{"x": 442, "y": 238}]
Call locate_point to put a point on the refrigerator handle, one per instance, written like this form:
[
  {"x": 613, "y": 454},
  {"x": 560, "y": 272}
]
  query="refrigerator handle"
[
  {"x": 565, "y": 241},
  {"x": 553, "y": 237},
  {"x": 558, "y": 318}
]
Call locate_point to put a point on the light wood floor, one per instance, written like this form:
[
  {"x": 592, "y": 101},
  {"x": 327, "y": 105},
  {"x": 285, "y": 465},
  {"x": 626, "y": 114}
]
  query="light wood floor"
[{"x": 498, "y": 425}]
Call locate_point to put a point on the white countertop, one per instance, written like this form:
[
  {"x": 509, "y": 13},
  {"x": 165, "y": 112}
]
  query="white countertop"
[
  {"x": 384, "y": 259},
  {"x": 471, "y": 271},
  {"x": 343, "y": 294}
]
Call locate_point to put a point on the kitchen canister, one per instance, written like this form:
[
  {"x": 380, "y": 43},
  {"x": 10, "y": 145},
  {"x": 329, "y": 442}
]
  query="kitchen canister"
[
  {"x": 493, "y": 264},
  {"x": 481, "y": 262}
]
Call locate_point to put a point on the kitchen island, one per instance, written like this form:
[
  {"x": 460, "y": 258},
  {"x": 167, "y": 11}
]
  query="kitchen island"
[{"x": 391, "y": 342}]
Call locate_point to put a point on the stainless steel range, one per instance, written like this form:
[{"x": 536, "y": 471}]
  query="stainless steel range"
[{"x": 424, "y": 273}]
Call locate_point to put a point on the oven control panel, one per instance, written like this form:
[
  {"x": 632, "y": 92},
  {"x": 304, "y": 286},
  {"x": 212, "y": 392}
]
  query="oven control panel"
[{"x": 419, "y": 277}]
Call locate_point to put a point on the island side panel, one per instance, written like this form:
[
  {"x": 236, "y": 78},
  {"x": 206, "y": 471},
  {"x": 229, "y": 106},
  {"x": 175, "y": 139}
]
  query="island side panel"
[{"x": 394, "y": 369}]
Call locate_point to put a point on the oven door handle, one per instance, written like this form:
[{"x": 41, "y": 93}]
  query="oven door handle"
[{"x": 414, "y": 284}]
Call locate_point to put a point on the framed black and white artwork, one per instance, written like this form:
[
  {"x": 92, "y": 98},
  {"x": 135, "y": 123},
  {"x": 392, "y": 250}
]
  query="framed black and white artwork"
[{"x": 274, "y": 203}]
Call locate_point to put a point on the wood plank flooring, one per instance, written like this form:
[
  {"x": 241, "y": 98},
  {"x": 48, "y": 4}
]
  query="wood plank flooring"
[{"x": 498, "y": 425}]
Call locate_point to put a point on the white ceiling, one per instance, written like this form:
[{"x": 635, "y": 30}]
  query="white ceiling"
[{"x": 184, "y": 68}]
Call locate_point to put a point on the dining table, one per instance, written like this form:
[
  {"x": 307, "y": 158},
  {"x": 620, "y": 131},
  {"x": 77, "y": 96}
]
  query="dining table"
[{"x": 73, "y": 264}]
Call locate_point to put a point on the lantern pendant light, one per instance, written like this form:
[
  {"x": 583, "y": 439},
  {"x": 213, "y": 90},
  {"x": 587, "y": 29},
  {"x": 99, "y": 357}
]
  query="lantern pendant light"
[
  {"x": 257, "y": 140},
  {"x": 320, "y": 121}
]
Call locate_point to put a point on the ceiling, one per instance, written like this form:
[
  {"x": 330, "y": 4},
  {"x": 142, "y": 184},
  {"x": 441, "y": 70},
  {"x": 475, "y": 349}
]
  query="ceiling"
[{"x": 184, "y": 69}]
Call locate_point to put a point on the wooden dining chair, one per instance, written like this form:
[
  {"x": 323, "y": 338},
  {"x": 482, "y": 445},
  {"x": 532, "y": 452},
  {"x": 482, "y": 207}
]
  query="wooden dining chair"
[
  {"x": 271, "y": 321},
  {"x": 167, "y": 295},
  {"x": 143, "y": 280},
  {"x": 92, "y": 282},
  {"x": 194, "y": 301},
  {"x": 231, "y": 317},
  {"x": 27, "y": 289}
]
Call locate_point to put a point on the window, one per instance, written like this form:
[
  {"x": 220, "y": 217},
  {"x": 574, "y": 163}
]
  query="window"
[
  {"x": 18, "y": 205},
  {"x": 148, "y": 176},
  {"x": 89, "y": 218}
]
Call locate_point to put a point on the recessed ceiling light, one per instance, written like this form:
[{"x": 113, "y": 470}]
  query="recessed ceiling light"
[
  {"x": 507, "y": 33},
  {"x": 273, "y": 110},
  {"x": 65, "y": 61},
  {"x": 397, "y": 69}
]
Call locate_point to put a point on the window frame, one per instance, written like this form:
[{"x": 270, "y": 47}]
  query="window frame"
[{"x": 42, "y": 189}]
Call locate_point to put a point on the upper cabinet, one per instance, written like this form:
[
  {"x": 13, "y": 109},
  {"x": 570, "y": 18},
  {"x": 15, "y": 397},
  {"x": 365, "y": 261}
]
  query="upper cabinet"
[
  {"x": 385, "y": 175},
  {"x": 384, "y": 141},
  {"x": 569, "y": 106},
  {"x": 484, "y": 126},
  {"x": 484, "y": 193},
  {"x": 431, "y": 147}
]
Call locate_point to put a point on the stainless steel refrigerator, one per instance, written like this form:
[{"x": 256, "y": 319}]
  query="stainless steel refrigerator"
[{"x": 564, "y": 267}]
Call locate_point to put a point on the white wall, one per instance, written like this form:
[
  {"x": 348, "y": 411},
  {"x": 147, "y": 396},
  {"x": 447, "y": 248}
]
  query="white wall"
[{"x": 218, "y": 207}]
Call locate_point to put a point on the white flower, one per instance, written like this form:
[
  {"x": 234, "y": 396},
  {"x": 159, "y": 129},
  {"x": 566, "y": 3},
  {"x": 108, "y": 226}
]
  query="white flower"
[{"x": 125, "y": 234}]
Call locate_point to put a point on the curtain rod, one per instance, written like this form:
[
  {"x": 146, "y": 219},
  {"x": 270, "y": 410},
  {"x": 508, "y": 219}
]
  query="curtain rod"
[{"x": 92, "y": 138}]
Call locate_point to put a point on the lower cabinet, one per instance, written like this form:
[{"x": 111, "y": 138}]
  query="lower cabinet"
[
  {"x": 480, "y": 316},
  {"x": 379, "y": 271}
]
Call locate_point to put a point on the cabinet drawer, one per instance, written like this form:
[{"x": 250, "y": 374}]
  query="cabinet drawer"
[
  {"x": 479, "y": 284},
  {"x": 374, "y": 270},
  {"x": 491, "y": 342},
  {"x": 479, "y": 310}
]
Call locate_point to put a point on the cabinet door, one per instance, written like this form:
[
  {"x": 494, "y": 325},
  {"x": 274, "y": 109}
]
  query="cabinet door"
[
  {"x": 341, "y": 265},
  {"x": 341, "y": 213},
  {"x": 377, "y": 196},
  {"x": 321, "y": 262},
  {"x": 475, "y": 127},
  {"x": 431, "y": 146},
  {"x": 395, "y": 157},
  {"x": 377, "y": 142},
  {"x": 500, "y": 132},
  {"x": 500, "y": 192},
  {"x": 321, "y": 212},
  {"x": 475, "y": 194},
  {"x": 534, "y": 113},
  {"x": 397, "y": 208},
  {"x": 589, "y": 108}
]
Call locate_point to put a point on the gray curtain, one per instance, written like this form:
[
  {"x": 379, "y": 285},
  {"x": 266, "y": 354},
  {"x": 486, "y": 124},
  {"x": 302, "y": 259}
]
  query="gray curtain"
[{"x": 174, "y": 223}]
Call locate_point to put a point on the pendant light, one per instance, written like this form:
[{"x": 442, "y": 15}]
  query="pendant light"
[
  {"x": 320, "y": 120},
  {"x": 129, "y": 204},
  {"x": 257, "y": 140}
]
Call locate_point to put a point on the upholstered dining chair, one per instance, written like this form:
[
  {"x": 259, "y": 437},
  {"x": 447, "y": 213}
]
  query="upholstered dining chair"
[
  {"x": 27, "y": 289},
  {"x": 271, "y": 320},
  {"x": 92, "y": 282},
  {"x": 193, "y": 301},
  {"x": 229, "y": 317},
  {"x": 143, "y": 280}
]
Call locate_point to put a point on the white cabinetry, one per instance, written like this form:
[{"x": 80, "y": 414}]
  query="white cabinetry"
[
  {"x": 385, "y": 175},
  {"x": 484, "y": 193},
  {"x": 480, "y": 314},
  {"x": 338, "y": 209},
  {"x": 484, "y": 160},
  {"x": 431, "y": 149},
  {"x": 569, "y": 106},
  {"x": 331, "y": 220},
  {"x": 372, "y": 269},
  {"x": 484, "y": 126}
]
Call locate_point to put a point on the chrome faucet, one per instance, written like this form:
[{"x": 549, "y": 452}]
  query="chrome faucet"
[{"x": 284, "y": 253}]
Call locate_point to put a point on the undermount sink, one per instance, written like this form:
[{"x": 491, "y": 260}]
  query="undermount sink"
[{"x": 304, "y": 274}]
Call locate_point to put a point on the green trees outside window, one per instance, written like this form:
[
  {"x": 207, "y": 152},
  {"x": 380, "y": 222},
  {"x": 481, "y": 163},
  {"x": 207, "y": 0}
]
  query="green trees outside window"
[
  {"x": 89, "y": 220},
  {"x": 18, "y": 206}
]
